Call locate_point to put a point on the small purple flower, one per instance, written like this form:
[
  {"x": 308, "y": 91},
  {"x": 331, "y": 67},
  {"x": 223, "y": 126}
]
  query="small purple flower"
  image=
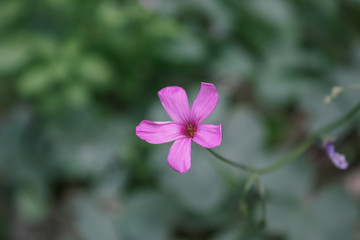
[{"x": 337, "y": 159}]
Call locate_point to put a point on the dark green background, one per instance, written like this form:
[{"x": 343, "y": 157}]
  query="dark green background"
[{"x": 76, "y": 77}]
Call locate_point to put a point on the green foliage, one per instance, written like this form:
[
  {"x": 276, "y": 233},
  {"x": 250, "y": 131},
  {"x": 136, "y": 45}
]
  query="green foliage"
[{"x": 76, "y": 77}]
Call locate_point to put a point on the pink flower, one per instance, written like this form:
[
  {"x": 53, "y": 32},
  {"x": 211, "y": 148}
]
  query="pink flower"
[{"x": 186, "y": 126}]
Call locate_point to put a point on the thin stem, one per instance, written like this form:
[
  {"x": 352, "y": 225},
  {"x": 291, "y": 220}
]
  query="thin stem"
[
  {"x": 235, "y": 164},
  {"x": 354, "y": 86},
  {"x": 248, "y": 184},
  {"x": 294, "y": 154},
  {"x": 338, "y": 122},
  {"x": 261, "y": 190},
  {"x": 242, "y": 204}
]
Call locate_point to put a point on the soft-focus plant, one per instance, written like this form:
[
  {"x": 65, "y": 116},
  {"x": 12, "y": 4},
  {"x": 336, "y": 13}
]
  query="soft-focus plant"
[
  {"x": 187, "y": 127},
  {"x": 76, "y": 76}
]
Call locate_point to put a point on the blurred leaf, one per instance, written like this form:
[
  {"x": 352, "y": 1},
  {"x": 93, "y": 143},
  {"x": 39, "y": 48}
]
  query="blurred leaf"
[
  {"x": 277, "y": 89},
  {"x": 215, "y": 11},
  {"x": 313, "y": 215},
  {"x": 186, "y": 48},
  {"x": 110, "y": 14},
  {"x": 14, "y": 55},
  {"x": 233, "y": 62},
  {"x": 95, "y": 71},
  {"x": 92, "y": 223},
  {"x": 87, "y": 145},
  {"x": 148, "y": 215},
  {"x": 36, "y": 81},
  {"x": 276, "y": 12},
  {"x": 291, "y": 182},
  {"x": 9, "y": 12},
  {"x": 31, "y": 203},
  {"x": 77, "y": 95}
]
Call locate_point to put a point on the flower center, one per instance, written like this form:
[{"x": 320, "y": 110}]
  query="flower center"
[{"x": 190, "y": 130}]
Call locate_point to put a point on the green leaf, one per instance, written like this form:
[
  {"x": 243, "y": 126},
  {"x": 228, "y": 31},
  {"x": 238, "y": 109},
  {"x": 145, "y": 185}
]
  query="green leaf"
[
  {"x": 95, "y": 71},
  {"x": 148, "y": 215},
  {"x": 92, "y": 222},
  {"x": 234, "y": 63},
  {"x": 328, "y": 215},
  {"x": 31, "y": 203},
  {"x": 14, "y": 54}
]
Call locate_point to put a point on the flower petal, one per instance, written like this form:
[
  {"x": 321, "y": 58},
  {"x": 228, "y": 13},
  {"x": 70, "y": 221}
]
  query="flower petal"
[
  {"x": 208, "y": 136},
  {"x": 176, "y": 104},
  {"x": 180, "y": 155},
  {"x": 158, "y": 132},
  {"x": 205, "y": 102},
  {"x": 337, "y": 159}
]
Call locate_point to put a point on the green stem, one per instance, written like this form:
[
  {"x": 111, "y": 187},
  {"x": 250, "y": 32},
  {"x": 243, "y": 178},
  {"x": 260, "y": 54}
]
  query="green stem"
[
  {"x": 338, "y": 122},
  {"x": 248, "y": 184},
  {"x": 235, "y": 164},
  {"x": 352, "y": 87},
  {"x": 262, "y": 195},
  {"x": 294, "y": 154},
  {"x": 289, "y": 157},
  {"x": 242, "y": 204}
]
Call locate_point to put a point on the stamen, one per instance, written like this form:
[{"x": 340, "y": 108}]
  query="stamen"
[{"x": 190, "y": 130}]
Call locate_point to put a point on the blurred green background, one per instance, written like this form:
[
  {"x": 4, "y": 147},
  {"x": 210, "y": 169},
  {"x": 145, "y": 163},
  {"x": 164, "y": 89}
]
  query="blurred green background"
[{"x": 76, "y": 77}]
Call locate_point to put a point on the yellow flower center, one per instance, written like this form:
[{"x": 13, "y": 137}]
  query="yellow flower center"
[{"x": 190, "y": 130}]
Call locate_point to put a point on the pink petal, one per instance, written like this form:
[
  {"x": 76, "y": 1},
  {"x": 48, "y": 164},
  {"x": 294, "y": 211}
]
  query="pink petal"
[
  {"x": 208, "y": 136},
  {"x": 205, "y": 102},
  {"x": 176, "y": 104},
  {"x": 158, "y": 132},
  {"x": 180, "y": 155}
]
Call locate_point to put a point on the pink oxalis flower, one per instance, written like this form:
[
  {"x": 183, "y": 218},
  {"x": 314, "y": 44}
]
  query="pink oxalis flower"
[{"x": 187, "y": 124}]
